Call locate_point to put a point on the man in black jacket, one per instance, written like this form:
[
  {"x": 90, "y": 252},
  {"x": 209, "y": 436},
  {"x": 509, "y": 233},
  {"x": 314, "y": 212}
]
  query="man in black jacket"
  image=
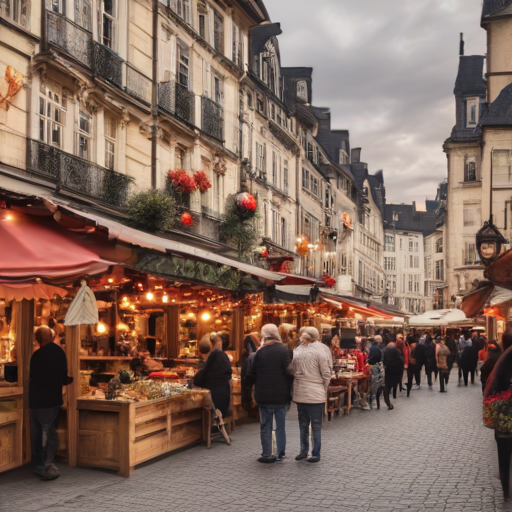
[
  {"x": 272, "y": 391},
  {"x": 48, "y": 373},
  {"x": 394, "y": 369}
]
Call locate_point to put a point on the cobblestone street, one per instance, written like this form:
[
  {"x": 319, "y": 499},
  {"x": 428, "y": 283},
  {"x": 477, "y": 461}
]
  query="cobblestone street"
[{"x": 430, "y": 453}]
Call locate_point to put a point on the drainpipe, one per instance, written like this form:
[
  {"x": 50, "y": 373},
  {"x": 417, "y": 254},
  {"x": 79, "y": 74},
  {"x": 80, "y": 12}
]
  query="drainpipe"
[{"x": 154, "y": 97}]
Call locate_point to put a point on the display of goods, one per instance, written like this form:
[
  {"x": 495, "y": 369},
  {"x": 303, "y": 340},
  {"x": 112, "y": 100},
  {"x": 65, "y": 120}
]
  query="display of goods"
[
  {"x": 186, "y": 219},
  {"x": 202, "y": 181},
  {"x": 497, "y": 412},
  {"x": 182, "y": 181},
  {"x": 152, "y": 389},
  {"x": 245, "y": 202}
]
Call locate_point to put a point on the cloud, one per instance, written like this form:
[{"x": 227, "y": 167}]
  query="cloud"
[{"x": 386, "y": 70}]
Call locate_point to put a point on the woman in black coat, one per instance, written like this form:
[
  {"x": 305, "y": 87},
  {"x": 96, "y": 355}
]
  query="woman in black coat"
[
  {"x": 430, "y": 360},
  {"x": 468, "y": 362},
  {"x": 494, "y": 354},
  {"x": 216, "y": 376}
]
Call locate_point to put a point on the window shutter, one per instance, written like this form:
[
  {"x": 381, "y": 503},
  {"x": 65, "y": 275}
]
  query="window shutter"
[{"x": 206, "y": 79}]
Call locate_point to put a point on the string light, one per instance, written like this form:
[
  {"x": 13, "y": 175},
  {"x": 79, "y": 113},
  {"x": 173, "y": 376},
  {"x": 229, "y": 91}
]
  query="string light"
[
  {"x": 102, "y": 328},
  {"x": 205, "y": 317},
  {"x": 149, "y": 296}
]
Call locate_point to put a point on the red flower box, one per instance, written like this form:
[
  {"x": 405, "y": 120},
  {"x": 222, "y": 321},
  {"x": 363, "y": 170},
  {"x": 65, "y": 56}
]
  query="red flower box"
[
  {"x": 202, "y": 181},
  {"x": 182, "y": 181}
]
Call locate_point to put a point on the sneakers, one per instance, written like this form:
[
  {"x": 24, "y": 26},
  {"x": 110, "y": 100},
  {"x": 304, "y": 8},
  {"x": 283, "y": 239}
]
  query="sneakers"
[
  {"x": 301, "y": 456},
  {"x": 269, "y": 459},
  {"x": 48, "y": 472},
  {"x": 281, "y": 457}
]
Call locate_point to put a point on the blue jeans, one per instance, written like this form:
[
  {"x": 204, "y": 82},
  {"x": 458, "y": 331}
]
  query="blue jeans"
[
  {"x": 310, "y": 414},
  {"x": 267, "y": 415},
  {"x": 43, "y": 431}
]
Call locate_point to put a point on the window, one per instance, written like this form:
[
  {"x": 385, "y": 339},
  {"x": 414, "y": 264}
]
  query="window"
[
  {"x": 237, "y": 45},
  {"x": 83, "y": 14},
  {"x": 58, "y": 6},
  {"x": 416, "y": 282},
  {"x": 410, "y": 281},
  {"x": 249, "y": 100},
  {"x": 502, "y": 168},
  {"x": 439, "y": 270},
  {"x": 284, "y": 233},
  {"x": 83, "y": 138},
  {"x": 17, "y": 11},
  {"x": 315, "y": 186},
  {"x": 411, "y": 244},
  {"x": 470, "y": 171},
  {"x": 275, "y": 226},
  {"x": 202, "y": 13},
  {"x": 285, "y": 176},
  {"x": 389, "y": 263},
  {"x": 390, "y": 243},
  {"x": 471, "y": 216},
  {"x": 52, "y": 116},
  {"x": 305, "y": 178},
  {"x": 471, "y": 111},
  {"x": 260, "y": 105},
  {"x": 217, "y": 89},
  {"x": 183, "y": 9},
  {"x": 274, "y": 168},
  {"x": 401, "y": 244},
  {"x": 110, "y": 141},
  {"x": 470, "y": 254},
  {"x": 260, "y": 159},
  {"x": 183, "y": 64},
  {"x": 218, "y": 32},
  {"x": 439, "y": 245},
  {"x": 310, "y": 154},
  {"x": 109, "y": 16}
]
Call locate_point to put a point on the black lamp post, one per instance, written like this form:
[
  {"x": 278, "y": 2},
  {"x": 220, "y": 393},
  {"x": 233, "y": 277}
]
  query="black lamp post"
[{"x": 488, "y": 242}]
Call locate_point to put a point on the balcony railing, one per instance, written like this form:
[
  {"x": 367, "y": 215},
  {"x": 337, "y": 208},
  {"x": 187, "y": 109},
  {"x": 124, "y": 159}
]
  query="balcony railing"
[
  {"x": 77, "y": 175},
  {"x": 69, "y": 36},
  {"x": 177, "y": 100},
  {"x": 212, "y": 119},
  {"x": 108, "y": 64},
  {"x": 78, "y": 43}
]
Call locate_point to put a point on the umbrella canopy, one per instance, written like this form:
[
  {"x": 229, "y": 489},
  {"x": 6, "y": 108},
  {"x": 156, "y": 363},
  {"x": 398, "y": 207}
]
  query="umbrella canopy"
[
  {"x": 29, "y": 291},
  {"x": 83, "y": 310},
  {"x": 438, "y": 318}
]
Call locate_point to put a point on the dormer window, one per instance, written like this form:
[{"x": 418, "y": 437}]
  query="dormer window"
[
  {"x": 472, "y": 112},
  {"x": 302, "y": 90},
  {"x": 470, "y": 171}
]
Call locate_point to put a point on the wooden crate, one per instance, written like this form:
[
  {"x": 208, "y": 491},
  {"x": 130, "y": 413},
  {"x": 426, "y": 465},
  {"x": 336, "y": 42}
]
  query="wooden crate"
[
  {"x": 119, "y": 435},
  {"x": 11, "y": 428}
]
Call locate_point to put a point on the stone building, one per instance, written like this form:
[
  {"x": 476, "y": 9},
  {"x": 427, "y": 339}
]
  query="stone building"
[{"x": 404, "y": 255}]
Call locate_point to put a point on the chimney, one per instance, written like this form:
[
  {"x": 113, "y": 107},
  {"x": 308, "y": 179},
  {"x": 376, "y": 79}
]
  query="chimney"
[{"x": 461, "y": 46}]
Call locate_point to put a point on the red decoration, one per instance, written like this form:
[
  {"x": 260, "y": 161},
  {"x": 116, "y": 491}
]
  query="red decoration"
[
  {"x": 182, "y": 181},
  {"x": 264, "y": 254},
  {"x": 186, "y": 219},
  {"x": 246, "y": 202},
  {"x": 202, "y": 181},
  {"x": 328, "y": 281}
]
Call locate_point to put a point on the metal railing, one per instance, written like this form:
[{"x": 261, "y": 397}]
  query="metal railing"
[
  {"x": 212, "y": 118},
  {"x": 108, "y": 64},
  {"x": 78, "y": 175},
  {"x": 177, "y": 100},
  {"x": 69, "y": 36}
]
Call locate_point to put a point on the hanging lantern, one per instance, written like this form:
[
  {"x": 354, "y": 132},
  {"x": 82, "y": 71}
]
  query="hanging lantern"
[
  {"x": 488, "y": 242},
  {"x": 186, "y": 219}
]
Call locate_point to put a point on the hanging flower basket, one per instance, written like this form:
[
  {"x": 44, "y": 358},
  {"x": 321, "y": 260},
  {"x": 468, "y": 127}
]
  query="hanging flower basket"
[
  {"x": 186, "y": 219},
  {"x": 246, "y": 205},
  {"x": 498, "y": 412},
  {"x": 202, "y": 182},
  {"x": 182, "y": 182}
]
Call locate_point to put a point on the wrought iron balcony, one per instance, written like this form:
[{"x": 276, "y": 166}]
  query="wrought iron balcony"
[
  {"x": 77, "y": 175},
  {"x": 177, "y": 100},
  {"x": 108, "y": 64},
  {"x": 75, "y": 40},
  {"x": 212, "y": 118}
]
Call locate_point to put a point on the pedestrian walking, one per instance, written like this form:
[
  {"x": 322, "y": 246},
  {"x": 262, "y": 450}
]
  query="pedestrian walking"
[
  {"x": 452, "y": 347},
  {"x": 393, "y": 362},
  {"x": 420, "y": 356},
  {"x": 499, "y": 382},
  {"x": 468, "y": 362},
  {"x": 493, "y": 354},
  {"x": 430, "y": 361},
  {"x": 412, "y": 369},
  {"x": 48, "y": 373},
  {"x": 312, "y": 370},
  {"x": 404, "y": 349},
  {"x": 375, "y": 353},
  {"x": 442, "y": 355},
  {"x": 272, "y": 382}
]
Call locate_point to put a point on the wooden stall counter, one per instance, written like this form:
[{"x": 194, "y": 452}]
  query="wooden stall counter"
[
  {"x": 118, "y": 435},
  {"x": 11, "y": 428}
]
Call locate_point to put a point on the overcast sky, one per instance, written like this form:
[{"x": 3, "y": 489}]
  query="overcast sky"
[{"x": 387, "y": 70}]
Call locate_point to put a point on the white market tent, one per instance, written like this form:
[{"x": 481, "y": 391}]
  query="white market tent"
[{"x": 439, "y": 318}]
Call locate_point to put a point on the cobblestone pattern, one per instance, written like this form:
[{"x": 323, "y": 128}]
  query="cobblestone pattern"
[{"x": 430, "y": 453}]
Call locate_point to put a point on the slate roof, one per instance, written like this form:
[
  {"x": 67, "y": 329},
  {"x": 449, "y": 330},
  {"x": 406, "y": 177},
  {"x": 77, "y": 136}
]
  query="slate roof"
[
  {"x": 260, "y": 34},
  {"x": 376, "y": 182},
  {"x": 409, "y": 219},
  {"x": 499, "y": 112},
  {"x": 494, "y": 6},
  {"x": 470, "y": 77}
]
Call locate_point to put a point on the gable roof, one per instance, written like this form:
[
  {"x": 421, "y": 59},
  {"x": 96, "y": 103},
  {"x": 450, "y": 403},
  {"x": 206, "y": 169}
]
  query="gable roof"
[
  {"x": 499, "y": 112},
  {"x": 491, "y": 7},
  {"x": 470, "y": 77},
  {"x": 409, "y": 219}
]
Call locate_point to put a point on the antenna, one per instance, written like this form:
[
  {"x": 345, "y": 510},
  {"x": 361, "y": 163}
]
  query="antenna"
[{"x": 461, "y": 44}]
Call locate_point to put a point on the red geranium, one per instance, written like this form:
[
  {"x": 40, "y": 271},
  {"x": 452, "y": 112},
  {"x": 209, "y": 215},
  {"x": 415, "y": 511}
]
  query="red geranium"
[
  {"x": 182, "y": 181},
  {"x": 328, "y": 281},
  {"x": 264, "y": 254},
  {"x": 186, "y": 219},
  {"x": 202, "y": 181}
]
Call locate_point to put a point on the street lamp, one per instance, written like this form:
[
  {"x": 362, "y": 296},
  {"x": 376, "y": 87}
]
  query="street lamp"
[{"x": 488, "y": 242}]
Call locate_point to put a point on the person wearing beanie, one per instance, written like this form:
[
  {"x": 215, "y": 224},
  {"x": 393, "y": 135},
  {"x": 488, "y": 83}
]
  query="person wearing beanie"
[
  {"x": 272, "y": 382},
  {"x": 312, "y": 370}
]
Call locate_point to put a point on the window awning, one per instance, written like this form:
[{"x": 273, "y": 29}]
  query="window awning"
[
  {"x": 37, "y": 247},
  {"x": 354, "y": 306}
]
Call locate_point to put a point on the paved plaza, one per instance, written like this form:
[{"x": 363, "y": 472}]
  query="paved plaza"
[{"x": 430, "y": 453}]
